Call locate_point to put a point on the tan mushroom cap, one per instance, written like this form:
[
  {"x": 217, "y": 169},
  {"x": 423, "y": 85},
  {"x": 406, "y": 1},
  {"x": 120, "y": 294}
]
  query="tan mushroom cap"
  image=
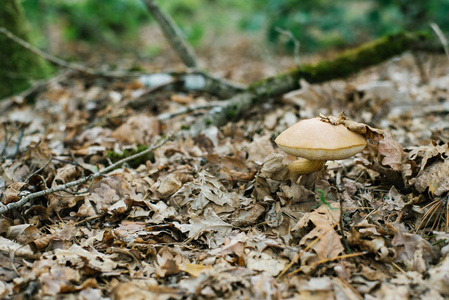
[{"x": 317, "y": 140}]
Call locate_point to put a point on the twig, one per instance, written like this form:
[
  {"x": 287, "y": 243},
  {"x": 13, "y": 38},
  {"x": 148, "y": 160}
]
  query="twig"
[
  {"x": 173, "y": 34},
  {"x": 354, "y": 61},
  {"x": 184, "y": 110},
  {"x": 342, "y": 232},
  {"x": 62, "y": 63},
  {"x": 295, "y": 41},
  {"x": 193, "y": 81},
  {"x": 442, "y": 38},
  {"x": 37, "y": 86},
  {"x": 38, "y": 170},
  {"x": 220, "y": 115},
  {"x": 6, "y": 140},
  {"x": 19, "y": 141},
  {"x": 329, "y": 260},
  {"x": 63, "y": 187}
]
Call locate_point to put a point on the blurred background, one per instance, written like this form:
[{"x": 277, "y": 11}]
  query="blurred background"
[{"x": 219, "y": 30}]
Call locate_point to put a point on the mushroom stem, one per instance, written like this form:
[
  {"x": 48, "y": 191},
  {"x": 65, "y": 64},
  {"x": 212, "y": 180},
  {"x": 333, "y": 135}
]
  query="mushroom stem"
[{"x": 303, "y": 166}]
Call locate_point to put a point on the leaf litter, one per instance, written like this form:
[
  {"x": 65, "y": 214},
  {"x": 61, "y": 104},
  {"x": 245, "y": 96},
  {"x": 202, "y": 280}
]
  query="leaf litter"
[{"x": 217, "y": 216}]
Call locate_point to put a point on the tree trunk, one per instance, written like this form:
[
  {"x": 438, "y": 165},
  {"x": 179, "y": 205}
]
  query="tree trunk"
[{"x": 18, "y": 66}]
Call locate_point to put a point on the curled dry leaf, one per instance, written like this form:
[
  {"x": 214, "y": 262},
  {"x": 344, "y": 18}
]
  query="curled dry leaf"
[
  {"x": 414, "y": 252},
  {"x": 235, "y": 167},
  {"x": 172, "y": 183},
  {"x": 12, "y": 192},
  {"x": 168, "y": 262},
  {"x": 248, "y": 216},
  {"x": 395, "y": 165},
  {"x": 434, "y": 178},
  {"x": 371, "y": 238},
  {"x": 323, "y": 219},
  {"x": 267, "y": 181},
  {"x": 392, "y": 152},
  {"x": 424, "y": 153},
  {"x": 367, "y": 131}
]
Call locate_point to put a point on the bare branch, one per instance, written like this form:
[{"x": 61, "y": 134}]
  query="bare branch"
[
  {"x": 193, "y": 81},
  {"x": 346, "y": 64},
  {"x": 62, "y": 63},
  {"x": 173, "y": 34},
  {"x": 295, "y": 41},
  {"x": 29, "y": 196},
  {"x": 185, "y": 110},
  {"x": 442, "y": 38},
  {"x": 220, "y": 115}
]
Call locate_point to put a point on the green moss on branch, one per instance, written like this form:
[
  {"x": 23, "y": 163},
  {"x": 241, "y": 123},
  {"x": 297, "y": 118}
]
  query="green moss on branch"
[{"x": 346, "y": 64}]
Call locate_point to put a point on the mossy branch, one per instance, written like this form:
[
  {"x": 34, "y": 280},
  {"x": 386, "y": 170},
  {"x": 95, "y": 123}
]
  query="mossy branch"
[{"x": 346, "y": 64}]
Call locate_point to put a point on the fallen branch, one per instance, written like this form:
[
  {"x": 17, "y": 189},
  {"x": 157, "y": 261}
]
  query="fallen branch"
[
  {"x": 26, "y": 197},
  {"x": 173, "y": 34},
  {"x": 346, "y": 64},
  {"x": 190, "y": 81},
  {"x": 36, "y": 87},
  {"x": 441, "y": 37},
  {"x": 187, "y": 109},
  {"x": 62, "y": 63},
  {"x": 194, "y": 81}
]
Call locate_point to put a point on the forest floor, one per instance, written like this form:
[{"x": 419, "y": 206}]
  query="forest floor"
[{"x": 211, "y": 216}]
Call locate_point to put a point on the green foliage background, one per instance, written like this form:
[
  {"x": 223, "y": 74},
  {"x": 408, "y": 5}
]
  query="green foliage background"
[{"x": 316, "y": 24}]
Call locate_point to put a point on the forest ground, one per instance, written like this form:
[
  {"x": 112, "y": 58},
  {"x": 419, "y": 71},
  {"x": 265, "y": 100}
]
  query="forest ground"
[{"x": 212, "y": 216}]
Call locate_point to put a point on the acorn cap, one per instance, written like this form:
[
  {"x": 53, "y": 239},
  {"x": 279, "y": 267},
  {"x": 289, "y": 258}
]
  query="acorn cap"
[{"x": 317, "y": 140}]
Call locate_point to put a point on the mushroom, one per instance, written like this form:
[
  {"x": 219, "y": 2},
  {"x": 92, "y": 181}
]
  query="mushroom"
[{"x": 315, "y": 141}]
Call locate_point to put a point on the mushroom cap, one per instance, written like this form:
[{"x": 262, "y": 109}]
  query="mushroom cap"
[{"x": 317, "y": 140}]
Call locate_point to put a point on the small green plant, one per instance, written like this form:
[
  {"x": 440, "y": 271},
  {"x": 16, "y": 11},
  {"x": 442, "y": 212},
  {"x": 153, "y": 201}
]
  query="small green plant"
[
  {"x": 115, "y": 157},
  {"x": 323, "y": 196}
]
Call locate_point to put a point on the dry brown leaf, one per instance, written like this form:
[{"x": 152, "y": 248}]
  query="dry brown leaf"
[
  {"x": 194, "y": 269},
  {"x": 413, "y": 251},
  {"x": 209, "y": 224},
  {"x": 142, "y": 290},
  {"x": 265, "y": 262},
  {"x": 205, "y": 189},
  {"x": 12, "y": 192},
  {"x": 392, "y": 152},
  {"x": 434, "y": 177},
  {"x": 139, "y": 129},
  {"x": 248, "y": 216},
  {"x": 172, "y": 183},
  {"x": 168, "y": 262},
  {"x": 370, "y": 238},
  {"x": 329, "y": 244},
  {"x": 368, "y": 132}
]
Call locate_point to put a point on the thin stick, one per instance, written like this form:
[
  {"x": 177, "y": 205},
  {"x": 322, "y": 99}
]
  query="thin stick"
[
  {"x": 184, "y": 110},
  {"x": 295, "y": 41},
  {"x": 342, "y": 232},
  {"x": 62, "y": 63},
  {"x": 328, "y": 260},
  {"x": 173, "y": 34},
  {"x": 19, "y": 141},
  {"x": 85, "y": 179},
  {"x": 442, "y": 38}
]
